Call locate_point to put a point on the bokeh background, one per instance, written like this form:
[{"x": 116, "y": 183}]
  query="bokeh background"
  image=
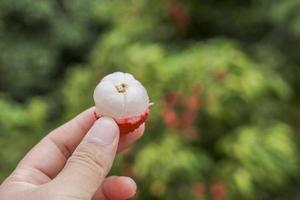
[{"x": 224, "y": 76}]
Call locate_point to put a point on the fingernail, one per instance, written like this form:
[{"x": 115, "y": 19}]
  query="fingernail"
[
  {"x": 104, "y": 130},
  {"x": 130, "y": 184}
]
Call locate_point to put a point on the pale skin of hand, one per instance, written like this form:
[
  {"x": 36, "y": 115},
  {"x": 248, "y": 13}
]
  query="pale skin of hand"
[{"x": 72, "y": 163}]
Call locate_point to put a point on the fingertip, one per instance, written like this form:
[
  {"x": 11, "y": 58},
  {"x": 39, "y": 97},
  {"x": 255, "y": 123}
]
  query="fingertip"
[
  {"x": 140, "y": 131},
  {"x": 128, "y": 139},
  {"x": 135, "y": 135},
  {"x": 131, "y": 187},
  {"x": 119, "y": 187},
  {"x": 105, "y": 130}
]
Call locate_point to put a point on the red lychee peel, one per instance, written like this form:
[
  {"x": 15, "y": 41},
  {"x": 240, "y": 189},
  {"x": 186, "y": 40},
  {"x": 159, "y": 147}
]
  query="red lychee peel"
[{"x": 128, "y": 125}]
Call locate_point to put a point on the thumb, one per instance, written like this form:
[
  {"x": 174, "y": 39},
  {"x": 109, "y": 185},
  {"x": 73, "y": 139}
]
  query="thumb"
[{"x": 91, "y": 161}]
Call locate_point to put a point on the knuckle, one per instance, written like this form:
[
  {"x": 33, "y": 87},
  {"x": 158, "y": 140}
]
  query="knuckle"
[{"x": 89, "y": 156}]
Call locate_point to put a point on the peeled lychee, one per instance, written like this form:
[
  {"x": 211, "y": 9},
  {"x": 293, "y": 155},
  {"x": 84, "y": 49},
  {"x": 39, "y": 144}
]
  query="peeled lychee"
[{"x": 120, "y": 96}]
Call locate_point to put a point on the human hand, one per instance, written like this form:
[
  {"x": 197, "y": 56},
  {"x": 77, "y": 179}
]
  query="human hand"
[{"x": 72, "y": 162}]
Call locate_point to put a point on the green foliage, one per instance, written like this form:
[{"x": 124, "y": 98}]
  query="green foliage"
[
  {"x": 20, "y": 127},
  {"x": 38, "y": 38},
  {"x": 223, "y": 76},
  {"x": 177, "y": 166},
  {"x": 259, "y": 156}
]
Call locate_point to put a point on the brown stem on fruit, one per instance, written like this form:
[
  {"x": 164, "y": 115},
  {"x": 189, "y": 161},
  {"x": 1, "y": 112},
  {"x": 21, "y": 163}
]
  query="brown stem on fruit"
[{"x": 121, "y": 88}]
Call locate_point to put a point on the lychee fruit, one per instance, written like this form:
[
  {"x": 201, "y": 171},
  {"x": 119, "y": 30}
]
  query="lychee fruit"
[{"x": 120, "y": 96}]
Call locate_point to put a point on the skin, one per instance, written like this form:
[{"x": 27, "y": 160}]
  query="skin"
[{"x": 69, "y": 164}]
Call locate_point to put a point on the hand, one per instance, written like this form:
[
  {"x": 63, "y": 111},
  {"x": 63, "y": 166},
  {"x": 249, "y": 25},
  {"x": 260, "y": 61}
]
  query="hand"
[{"x": 72, "y": 162}]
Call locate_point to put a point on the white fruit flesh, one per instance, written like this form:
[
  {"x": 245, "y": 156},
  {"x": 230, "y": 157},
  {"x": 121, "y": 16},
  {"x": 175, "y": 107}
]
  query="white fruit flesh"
[{"x": 120, "y": 96}]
